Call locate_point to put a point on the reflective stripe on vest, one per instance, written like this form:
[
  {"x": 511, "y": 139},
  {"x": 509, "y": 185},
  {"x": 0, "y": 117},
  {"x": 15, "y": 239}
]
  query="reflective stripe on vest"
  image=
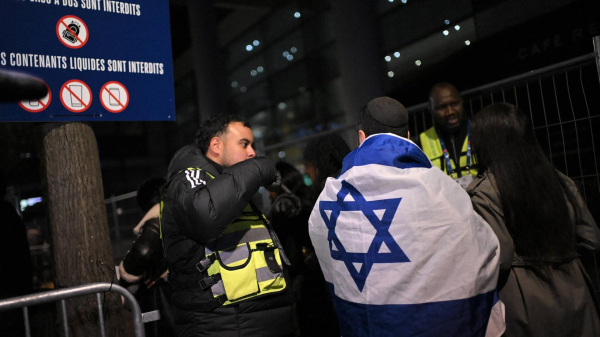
[
  {"x": 244, "y": 262},
  {"x": 432, "y": 148}
]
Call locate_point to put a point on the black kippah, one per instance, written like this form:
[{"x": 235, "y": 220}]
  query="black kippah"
[{"x": 388, "y": 111}]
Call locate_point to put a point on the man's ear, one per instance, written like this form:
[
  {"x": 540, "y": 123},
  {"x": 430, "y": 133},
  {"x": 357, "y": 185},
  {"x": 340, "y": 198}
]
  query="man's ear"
[
  {"x": 215, "y": 146},
  {"x": 361, "y": 137}
]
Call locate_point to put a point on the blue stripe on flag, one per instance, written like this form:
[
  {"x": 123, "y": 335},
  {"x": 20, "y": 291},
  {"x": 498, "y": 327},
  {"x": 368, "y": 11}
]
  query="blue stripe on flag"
[
  {"x": 466, "y": 317},
  {"x": 388, "y": 150}
]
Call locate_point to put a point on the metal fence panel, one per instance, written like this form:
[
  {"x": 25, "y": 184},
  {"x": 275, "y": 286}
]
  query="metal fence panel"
[{"x": 63, "y": 294}]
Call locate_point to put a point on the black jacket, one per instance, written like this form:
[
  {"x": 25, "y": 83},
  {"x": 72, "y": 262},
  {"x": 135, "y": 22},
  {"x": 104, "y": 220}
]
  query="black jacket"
[{"x": 197, "y": 210}]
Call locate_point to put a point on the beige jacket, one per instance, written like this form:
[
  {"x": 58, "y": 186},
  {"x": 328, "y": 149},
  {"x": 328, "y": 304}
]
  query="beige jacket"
[{"x": 562, "y": 306}]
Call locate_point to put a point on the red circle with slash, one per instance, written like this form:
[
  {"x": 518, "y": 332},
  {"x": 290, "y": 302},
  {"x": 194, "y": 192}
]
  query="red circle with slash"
[
  {"x": 114, "y": 97},
  {"x": 76, "y": 96},
  {"x": 72, "y": 31},
  {"x": 37, "y": 105}
]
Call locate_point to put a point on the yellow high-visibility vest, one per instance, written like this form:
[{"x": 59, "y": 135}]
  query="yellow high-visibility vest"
[
  {"x": 430, "y": 143},
  {"x": 244, "y": 262}
]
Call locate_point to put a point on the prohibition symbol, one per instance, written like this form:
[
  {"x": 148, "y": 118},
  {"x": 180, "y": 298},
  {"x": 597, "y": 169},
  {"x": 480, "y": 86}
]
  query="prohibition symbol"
[
  {"x": 76, "y": 96},
  {"x": 114, "y": 97},
  {"x": 72, "y": 31},
  {"x": 37, "y": 105}
]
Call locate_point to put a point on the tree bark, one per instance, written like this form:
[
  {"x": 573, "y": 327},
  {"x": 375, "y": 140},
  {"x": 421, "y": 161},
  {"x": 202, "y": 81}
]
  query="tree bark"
[{"x": 79, "y": 226}]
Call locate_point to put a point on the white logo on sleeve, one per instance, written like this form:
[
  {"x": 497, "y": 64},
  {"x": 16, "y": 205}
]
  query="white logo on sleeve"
[{"x": 193, "y": 176}]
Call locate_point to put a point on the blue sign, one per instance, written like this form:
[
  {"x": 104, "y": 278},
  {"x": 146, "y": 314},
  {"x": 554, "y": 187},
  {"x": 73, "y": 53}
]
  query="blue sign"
[{"x": 102, "y": 60}]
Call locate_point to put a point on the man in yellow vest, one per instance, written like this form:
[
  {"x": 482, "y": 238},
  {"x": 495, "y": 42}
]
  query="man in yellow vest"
[
  {"x": 447, "y": 144},
  {"x": 225, "y": 268}
]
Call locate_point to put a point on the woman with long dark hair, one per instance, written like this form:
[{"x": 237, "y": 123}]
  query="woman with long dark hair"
[{"x": 542, "y": 225}]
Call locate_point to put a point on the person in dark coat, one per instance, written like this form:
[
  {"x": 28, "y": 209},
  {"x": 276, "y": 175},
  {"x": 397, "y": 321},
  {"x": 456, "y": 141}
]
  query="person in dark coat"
[
  {"x": 542, "y": 225},
  {"x": 210, "y": 184},
  {"x": 143, "y": 271},
  {"x": 289, "y": 213},
  {"x": 323, "y": 158},
  {"x": 15, "y": 263}
]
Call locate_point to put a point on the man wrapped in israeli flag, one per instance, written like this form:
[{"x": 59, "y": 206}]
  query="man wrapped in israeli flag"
[{"x": 400, "y": 246}]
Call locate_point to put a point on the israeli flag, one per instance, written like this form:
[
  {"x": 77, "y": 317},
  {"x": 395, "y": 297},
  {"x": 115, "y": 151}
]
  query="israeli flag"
[{"x": 401, "y": 248}]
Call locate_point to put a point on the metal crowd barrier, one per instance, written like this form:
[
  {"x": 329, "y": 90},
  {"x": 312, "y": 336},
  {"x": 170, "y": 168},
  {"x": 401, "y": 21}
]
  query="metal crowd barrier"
[{"x": 62, "y": 295}]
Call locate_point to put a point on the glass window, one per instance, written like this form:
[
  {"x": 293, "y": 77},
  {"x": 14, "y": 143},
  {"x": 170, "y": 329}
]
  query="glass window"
[
  {"x": 413, "y": 22},
  {"x": 384, "y": 6},
  {"x": 288, "y": 51},
  {"x": 413, "y": 60},
  {"x": 324, "y": 66},
  {"x": 295, "y": 117},
  {"x": 243, "y": 48},
  {"x": 318, "y": 32},
  {"x": 252, "y": 101},
  {"x": 328, "y": 103},
  {"x": 261, "y": 122},
  {"x": 289, "y": 82},
  {"x": 248, "y": 74},
  {"x": 281, "y": 21}
]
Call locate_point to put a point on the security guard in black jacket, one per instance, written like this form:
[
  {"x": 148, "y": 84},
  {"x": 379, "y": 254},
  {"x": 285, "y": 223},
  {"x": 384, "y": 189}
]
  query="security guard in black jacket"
[{"x": 225, "y": 263}]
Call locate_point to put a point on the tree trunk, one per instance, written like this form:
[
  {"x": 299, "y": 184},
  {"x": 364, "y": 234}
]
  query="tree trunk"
[{"x": 79, "y": 226}]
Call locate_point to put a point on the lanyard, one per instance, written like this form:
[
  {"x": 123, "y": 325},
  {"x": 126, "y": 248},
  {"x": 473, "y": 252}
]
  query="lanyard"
[{"x": 447, "y": 155}]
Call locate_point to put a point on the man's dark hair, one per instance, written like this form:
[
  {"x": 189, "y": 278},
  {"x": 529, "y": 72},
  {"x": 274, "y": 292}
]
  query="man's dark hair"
[
  {"x": 370, "y": 126},
  {"x": 441, "y": 85},
  {"x": 149, "y": 193},
  {"x": 215, "y": 127}
]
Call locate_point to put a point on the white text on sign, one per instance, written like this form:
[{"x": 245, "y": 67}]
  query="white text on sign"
[
  {"x": 80, "y": 63},
  {"x": 110, "y": 6}
]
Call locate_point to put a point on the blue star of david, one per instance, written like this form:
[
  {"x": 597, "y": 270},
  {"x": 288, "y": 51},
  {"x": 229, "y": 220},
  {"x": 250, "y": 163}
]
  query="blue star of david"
[{"x": 372, "y": 256}]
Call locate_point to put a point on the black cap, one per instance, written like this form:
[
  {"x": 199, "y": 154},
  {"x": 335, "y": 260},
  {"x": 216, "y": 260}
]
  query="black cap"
[{"x": 388, "y": 111}]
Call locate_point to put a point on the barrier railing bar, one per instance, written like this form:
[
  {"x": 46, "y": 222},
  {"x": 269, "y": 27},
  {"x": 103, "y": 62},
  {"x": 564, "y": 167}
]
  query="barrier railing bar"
[
  {"x": 597, "y": 53},
  {"x": 26, "y": 320},
  {"x": 120, "y": 197},
  {"x": 586, "y": 176},
  {"x": 82, "y": 290},
  {"x": 63, "y": 307},
  {"x": 100, "y": 315},
  {"x": 530, "y": 74}
]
